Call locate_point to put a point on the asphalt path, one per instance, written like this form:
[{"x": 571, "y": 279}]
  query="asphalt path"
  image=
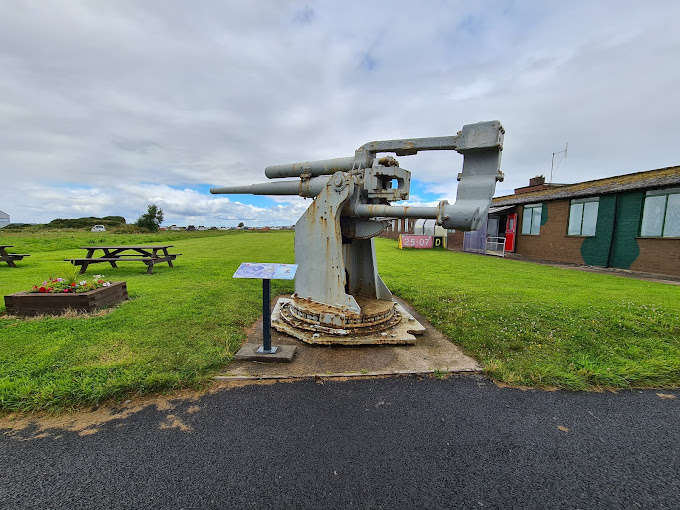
[{"x": 380, "y": 443}]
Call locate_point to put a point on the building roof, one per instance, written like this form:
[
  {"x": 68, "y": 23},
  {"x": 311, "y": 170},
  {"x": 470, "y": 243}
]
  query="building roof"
[
  {"x": 4, "y": 214},
  {"x": 651, "y": 179}
]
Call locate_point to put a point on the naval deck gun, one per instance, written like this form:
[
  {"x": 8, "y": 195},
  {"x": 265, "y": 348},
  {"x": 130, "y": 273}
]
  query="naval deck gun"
[{"x": 339, "y": 295}]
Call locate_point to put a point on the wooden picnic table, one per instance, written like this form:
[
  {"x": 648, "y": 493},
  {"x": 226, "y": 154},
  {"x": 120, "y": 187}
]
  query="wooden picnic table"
[
  {"x": 150, "y": 255},
  {"x": 10, "y": 257}
]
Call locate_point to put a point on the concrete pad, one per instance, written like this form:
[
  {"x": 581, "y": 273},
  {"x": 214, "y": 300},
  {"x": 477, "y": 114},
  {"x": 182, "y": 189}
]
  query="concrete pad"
[
  {"x": 432, "y": 352},
  {"x": 283, "y": 354}
]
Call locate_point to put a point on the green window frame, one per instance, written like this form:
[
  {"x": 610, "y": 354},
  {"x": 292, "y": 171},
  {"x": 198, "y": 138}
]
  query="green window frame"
[
  {"x": 583, "y": 217},
  {"x": 661, "y": 213},
  {"x": 531, "y": 219}
]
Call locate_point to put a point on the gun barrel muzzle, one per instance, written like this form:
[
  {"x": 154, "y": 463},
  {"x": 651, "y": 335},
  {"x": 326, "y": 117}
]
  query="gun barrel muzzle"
[
  {"x": 307, "y": 188},
  {"x": 311, "y": 168}
]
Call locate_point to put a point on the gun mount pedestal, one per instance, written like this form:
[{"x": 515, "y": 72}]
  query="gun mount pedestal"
[
  {"x": 339, "y": 295},
  {"x": 379, "y": 322}
]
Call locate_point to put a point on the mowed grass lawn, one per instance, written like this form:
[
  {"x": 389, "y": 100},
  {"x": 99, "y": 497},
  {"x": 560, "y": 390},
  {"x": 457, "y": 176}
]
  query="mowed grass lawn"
[
  {"x": 527, "y": 324},
  {"x": 180, "y": 325}
]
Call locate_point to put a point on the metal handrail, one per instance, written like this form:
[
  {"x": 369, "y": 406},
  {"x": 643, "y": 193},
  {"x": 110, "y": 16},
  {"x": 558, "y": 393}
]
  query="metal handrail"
[{"x": 496, "y": 245}]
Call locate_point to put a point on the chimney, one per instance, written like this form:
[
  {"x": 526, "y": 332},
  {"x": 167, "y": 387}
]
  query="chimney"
[{"x": 537, "y": 181}]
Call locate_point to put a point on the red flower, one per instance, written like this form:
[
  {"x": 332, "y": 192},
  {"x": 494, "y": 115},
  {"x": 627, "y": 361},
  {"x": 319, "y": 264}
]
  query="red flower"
[
  {"x": 65, "y": 290},
  {"x": 73, "y": 284},
  {"x": 42, "y": 289}
]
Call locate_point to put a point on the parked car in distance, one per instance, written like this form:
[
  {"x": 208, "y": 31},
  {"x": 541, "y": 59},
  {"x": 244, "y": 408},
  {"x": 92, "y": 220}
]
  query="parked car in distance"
[
  {"x": 175, "y": 227},
  {"x": 201, "y": 227},
  {"x": 98, "y": 228},
  {"x": 191, "y": 227}
]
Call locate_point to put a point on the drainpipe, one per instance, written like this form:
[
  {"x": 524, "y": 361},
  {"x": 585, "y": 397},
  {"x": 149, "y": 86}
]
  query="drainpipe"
[{"x": 611, "y": 241}]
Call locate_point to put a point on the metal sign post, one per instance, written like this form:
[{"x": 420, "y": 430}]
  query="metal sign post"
[
  {"x": 266, "y": 273},
  {"x": 266, "y": 319}
]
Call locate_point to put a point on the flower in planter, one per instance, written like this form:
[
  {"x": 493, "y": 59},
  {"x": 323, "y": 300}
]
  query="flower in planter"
[
  {"x": 62, "y": 285},
  {"x": 63, "y": 297},
  {"x": 70, "y": 283}
]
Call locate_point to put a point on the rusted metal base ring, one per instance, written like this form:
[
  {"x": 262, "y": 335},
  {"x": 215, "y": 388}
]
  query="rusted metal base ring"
[{"x": 288, "y": 314}]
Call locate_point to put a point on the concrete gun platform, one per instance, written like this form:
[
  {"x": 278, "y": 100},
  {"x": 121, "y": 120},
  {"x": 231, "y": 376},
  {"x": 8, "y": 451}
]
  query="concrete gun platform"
[{"x": 432, "y": 352}]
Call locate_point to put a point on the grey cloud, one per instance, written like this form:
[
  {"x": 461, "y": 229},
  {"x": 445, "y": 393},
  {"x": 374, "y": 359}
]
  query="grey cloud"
[{"x": 117, "y": 96}]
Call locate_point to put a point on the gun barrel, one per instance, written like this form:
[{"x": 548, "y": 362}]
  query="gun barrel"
[
  {"x": 463, "y": 215},
  {"x": 308, "y": 188},
  {"x": 394, "y": 211},
  {"x": 312, "y": 168}
]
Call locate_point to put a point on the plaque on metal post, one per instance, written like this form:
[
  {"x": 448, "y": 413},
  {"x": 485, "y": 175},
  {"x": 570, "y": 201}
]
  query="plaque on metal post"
[{"x": 266, "y": 272}]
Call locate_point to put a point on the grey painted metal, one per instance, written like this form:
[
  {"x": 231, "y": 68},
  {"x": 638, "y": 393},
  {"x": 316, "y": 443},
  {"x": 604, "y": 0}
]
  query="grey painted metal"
[
  {"x": 362, "y": 271},
  {"x": 310, "y": 168},
  {"x": 378, "y": 180},
  {"x": 483, "y": 136},
  {"x": 477, "y": 184},
  {"x": 411, "y": 146},
  {"x": 321, "y": 275},
  {"x": 357, "y": 228},
  {"x": 305, "y": 188},
  {"x": 393, "y": 211},
  {"x": 334, "y": 246}
]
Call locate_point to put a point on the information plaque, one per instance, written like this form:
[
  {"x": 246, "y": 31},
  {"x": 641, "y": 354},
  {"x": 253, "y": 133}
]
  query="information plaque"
[{"x": 266, "y": 272}]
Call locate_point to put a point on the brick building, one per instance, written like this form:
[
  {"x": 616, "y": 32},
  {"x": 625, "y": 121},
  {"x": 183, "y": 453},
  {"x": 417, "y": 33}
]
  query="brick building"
[{"x": 629, "y": 221}]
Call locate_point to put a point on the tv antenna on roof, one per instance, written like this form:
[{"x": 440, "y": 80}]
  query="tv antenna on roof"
[{"x": 553, "y": 170}]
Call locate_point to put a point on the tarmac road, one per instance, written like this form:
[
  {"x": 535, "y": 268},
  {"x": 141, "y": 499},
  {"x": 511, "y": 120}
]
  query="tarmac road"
[{"x": 379, "y": 443}]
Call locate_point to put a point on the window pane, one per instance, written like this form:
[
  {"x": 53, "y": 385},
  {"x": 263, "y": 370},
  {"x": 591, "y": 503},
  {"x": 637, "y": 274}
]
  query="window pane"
[
  {"x": 526, "y": 221},
  {"x": 575, "y": 215},
  {"x": 536, "y": 222},
  {"x": 492, "y": 227},
  {"x": 589, "y": 218},
  {"x": 672, "y": 225},
  {"x": 652, "y": 215}
]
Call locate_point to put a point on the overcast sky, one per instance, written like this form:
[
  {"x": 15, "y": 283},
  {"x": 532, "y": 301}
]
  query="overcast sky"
[{"x": 107, "y": 106}]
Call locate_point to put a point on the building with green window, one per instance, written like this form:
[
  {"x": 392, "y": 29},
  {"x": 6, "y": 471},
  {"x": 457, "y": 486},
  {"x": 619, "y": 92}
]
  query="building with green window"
[{"x": 629, "y": 221}]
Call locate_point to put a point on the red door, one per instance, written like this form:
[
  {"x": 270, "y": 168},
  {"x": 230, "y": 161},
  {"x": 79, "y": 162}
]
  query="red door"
[{"x": 510, "y": 227}]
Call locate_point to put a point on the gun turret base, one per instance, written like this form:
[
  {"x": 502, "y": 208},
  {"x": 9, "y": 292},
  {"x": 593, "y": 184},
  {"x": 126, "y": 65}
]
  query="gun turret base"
[
  {"x": 386, "y": 322},
  {"x": 375, "y": 315}
]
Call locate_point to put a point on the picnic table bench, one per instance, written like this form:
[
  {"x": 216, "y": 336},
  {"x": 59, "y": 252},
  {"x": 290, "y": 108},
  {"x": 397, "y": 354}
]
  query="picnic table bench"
[
  {"x": 150, "y": 255},
  {"x": 10, "y": 257}
]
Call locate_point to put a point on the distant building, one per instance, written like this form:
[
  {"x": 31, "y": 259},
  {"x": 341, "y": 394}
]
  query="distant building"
[{"x": 4, "y": 219}]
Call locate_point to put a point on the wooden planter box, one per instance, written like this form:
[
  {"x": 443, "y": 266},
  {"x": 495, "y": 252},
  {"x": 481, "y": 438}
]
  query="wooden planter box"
[{"x": 36, "y": 303}]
